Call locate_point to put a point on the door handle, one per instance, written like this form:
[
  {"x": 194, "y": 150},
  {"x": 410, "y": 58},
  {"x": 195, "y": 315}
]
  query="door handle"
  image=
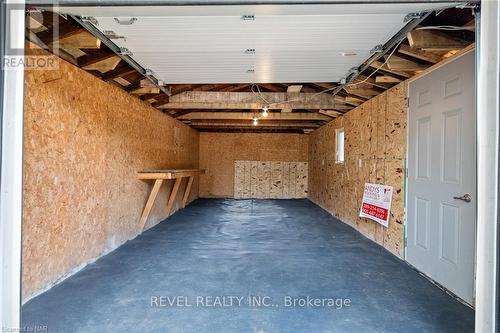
[{"x": 466, "y": 197}]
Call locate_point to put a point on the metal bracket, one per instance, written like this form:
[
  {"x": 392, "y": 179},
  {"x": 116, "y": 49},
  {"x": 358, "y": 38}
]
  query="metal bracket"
[
  {"x": 129, "y": 21},
  {"x": 90, "y": 19},
  {"x": 377, "y": 48},
  {"x": 248, "y": 17},
  {"x": 112, "y": 35},
  {"x": 412, "y": 16},
  {"x": 124, "y": 51}
]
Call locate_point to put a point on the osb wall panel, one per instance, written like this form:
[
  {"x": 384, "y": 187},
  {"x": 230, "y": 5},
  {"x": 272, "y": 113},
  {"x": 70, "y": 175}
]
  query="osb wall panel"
[
  {"x": 375, "y": 150},
  {"x": 84, "y": 142},
  {"x": 270, "y": 180},
  {"x": 218, "y": 151}
]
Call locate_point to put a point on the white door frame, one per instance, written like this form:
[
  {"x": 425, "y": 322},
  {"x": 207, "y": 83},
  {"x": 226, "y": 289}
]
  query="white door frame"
[
  {"x": 487, "y": 146},
  {"x": 11, "y": 164},
  {"x": 487, "y": 108}
]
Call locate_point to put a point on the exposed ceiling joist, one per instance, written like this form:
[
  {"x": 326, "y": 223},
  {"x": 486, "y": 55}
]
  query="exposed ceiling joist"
[
  {"x": 292, "y": 93},
  {"x": 250, "y": 115},
  {"x": 248, "y": 100},
  {"x": 419, "y": 54},
  {"x": 432, "y": 40}
]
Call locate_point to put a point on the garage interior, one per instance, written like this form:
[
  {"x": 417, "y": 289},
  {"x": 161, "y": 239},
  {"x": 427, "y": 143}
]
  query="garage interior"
[{"x": 224, "y": 150}]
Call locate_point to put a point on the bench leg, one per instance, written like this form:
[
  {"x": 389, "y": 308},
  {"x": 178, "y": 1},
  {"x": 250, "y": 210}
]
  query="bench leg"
[
  {"x": 187, "y": 192},
  {"x": 173, "y": 194},
  {"x": 150, "y": 202}
]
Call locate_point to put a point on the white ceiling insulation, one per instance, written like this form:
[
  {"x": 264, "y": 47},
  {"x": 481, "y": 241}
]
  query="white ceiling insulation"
[{"x": 214, "y": 44}]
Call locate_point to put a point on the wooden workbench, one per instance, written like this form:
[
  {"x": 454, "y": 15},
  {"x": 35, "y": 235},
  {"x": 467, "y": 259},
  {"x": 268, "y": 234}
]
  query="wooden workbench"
[{"x": 161, "y": 175}]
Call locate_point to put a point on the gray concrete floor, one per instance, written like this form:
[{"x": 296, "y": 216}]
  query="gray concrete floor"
[{"x": 273, "y": 250}]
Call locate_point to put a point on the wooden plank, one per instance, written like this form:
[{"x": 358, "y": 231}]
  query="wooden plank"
[
  {"x": 292, "y": 92},
  {"x": 82, "y": 39},
  {"x": 248, "y": 100},
  {"x": 65, "y": 29},
  {"x": 432, "y": 40},
  {"x": 168, "y": 174},
  {"x": 173, "y": 195},
  {"x": 380, "y": 67},
  {"x": 189, "y": 185},
  {"x": 146, "y": 90},
  {"x": 398, "y": 63},
  {"x": 372, "y": 81},
  {"x": 419, "y": 54},
  {"x": 121, "y": 69},
  {"x": 93, "y": 57},
  {"x": 368, "y": 93},
  {"x": 330, "y": 113},
  {"x": 149, "y": 203},
  {"x": 354, "y": 100},
  {"x": 250, "y": 115},
  {"x": 387, "y": 79},
  {"x": 104, "y": 65}
]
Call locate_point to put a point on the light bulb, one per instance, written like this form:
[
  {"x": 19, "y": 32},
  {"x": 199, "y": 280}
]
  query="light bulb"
[
  {"x": 255, "y": 121},
  {"x": 265, "y": 112}
]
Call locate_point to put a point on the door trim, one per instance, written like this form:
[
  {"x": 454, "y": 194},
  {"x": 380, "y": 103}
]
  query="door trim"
[{"x": 11, "y": 165}]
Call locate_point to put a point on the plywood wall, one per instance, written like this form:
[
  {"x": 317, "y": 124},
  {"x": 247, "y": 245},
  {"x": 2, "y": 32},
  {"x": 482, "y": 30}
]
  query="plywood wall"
[
  {"x": 270, "y": 180},
  {"x": 375, "y": 151},
  {"x": 84, "y": 142},
  {"x": 218, "y": 151}
]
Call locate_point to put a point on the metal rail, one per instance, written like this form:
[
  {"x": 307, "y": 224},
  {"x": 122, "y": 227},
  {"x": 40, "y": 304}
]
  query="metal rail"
[{"x": 128, "y": 59}]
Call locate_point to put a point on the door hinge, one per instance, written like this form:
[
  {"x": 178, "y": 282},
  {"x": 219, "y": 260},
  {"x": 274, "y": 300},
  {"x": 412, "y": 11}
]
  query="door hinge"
[{"x": 407, "y": 100}]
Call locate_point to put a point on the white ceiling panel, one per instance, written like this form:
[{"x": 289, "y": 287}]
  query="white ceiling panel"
[{"x": 292, "y": 43}]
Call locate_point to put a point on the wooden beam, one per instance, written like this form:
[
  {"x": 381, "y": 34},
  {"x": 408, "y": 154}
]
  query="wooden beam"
[
  {"x": 371, "y": 81},
  {"x": 292, "y": 92},
  {"x": 395, "y": 62},
  {"x": 330, "y": 113},
  {"x": 103, "y": 66},
  {"x": 149, "y": 203},
  {"x": 173, "y": 195},
  {"x": 189, "y": 185},
  {"x": 65, "y": 29},
  {"x": 163, "y": 99},
  {"x": 120, "y": 70},
  {"x": 250, "y": 115},
  {"x": 432, "y": 40},
  {"x": 387, "y": 79},
  {"x": 368, "y": 93},
  {"x": 248, "y": 100},
  {"x": 260, "y": 124},
  {"x": 419, "y": 54},
  {"x": 380, "y": 67},
  {"x": 93, "y": 57}
]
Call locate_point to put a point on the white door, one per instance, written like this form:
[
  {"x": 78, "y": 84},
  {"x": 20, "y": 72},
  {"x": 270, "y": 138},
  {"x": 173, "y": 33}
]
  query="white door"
[{"x": 442, "y": 175}]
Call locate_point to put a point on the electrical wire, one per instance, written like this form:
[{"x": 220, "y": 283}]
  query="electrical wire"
[{"x": 445, "y": 27}]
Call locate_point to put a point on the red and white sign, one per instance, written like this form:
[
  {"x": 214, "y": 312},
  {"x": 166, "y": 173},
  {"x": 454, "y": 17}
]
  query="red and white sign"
[{"x": 376, "y": 204}]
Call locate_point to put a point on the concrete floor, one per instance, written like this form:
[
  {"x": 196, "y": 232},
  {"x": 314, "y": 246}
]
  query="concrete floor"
[{"x": 239, "y": 248}]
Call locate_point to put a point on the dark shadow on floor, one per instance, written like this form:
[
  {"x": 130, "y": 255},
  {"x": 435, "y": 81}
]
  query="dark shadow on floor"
[{"x": 236, "y": 248}]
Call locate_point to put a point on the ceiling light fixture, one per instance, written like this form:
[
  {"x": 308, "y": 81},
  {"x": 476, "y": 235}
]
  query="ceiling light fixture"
[
  {"x": 255, "y": 121},
  {"x": 348, "y": 54},
  {"x": 265, "y": 111}
]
